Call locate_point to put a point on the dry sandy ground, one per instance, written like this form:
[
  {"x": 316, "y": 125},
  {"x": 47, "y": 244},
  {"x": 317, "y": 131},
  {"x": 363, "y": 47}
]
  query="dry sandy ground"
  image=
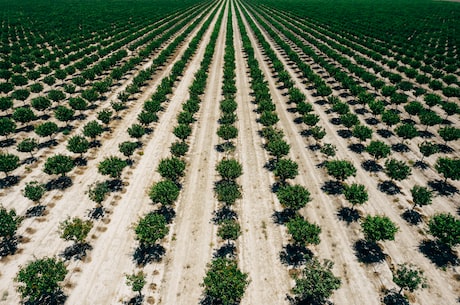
[{"x": 99, "y": 278}]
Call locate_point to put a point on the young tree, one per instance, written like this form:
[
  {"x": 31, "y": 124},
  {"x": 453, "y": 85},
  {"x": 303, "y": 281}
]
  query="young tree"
[
  {"x": 75, "y": 229},
  {"x": 355, "y": 194},
  {"x": 229, "y": 229},
  {"x": 136, "y": 281},
  {"x": 39, "y": 280},
  {"x": 377, "y": 107},
  {"x": 9, "y": 223},
  {"x": 226, "y": 132},
  {"x": 40, "y": 103},
  {"x": 286, "y": 169},
  {"x": 34, "y": 191},
  {"x": 64, "y": 114},
  {"x": 413, "y": 108},
  {"x": 378, "y": 228},
  {"x": 318, "y": 132},
  {"x": 127, "y": 148},
  {"x": 229, "y": 169},
  {"x": 56, "y": 95},
  {"x": 268, "y": 118},
  {"x": 78, "y": 145},
  {"x": 293, "y": 197},
  {"x": 136, "y": 131},
  {"x": 224, "y": 282},
  {"x": 145, "y": 118},
  {"x": 46, "y": 129},
  {"x": 449, "y": 133},
  {"x": 179, "y": 149},
  {"x": 340, "y": 169},
  {"x": 421, "y": 195},
  {"x": 92, "y": 130},
  {"x": 23, "y": 115},
  {"x": 97, "y": 192},
  {"x": 112, "y": 166},
  {"x": 78, "y": 104},
  {"x": 408, "y": 277},
  {"x": 183, "y": 131},
  {"x": 171, "y": 168},
  {"x": 449, "y": 168},
  {"x": 164, "y": 192},
  {"x": 6, "y": 103},
  {"x": 151, "y": 228},
  {"x": 7, "y": 126},
  {"x": 8, "y": 163},
  {"x": 303, "y": 232},
  {"x": 310, "y": 119},
  {"x": 316, "y": 282},
  {"x": 105, "y": 116},
  {"x": 446, "y": 229},
  {"x": 28, "y": 145},
  {"x": 278, "y": 148},
  {"x": 329, "y": 150},
  {"x": 427, "y": 149},
  {"x": 406, "y": 131},
  {"x": 378, "y": 149},
  {"x": 390, "y": 118},
  {"x": 429, "y": 118},
  {"x": 59, "y": 165},
  {"x": 227, "y": 191},
  {"x": 362, "y": 132},
  {"x": 349, "y": 120},
  {"x": 397, "y": 170}
]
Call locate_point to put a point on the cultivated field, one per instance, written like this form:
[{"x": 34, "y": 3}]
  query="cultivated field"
[{"x": 230, "y": 151}]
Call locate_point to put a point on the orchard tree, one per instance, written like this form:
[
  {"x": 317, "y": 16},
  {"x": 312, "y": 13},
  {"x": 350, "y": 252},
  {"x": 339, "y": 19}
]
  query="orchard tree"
[
  {"x": 78, "y": 104},
  {"x": 9, "y": 223},
  {"x": 310, "y": 119},
  {"x": 23, "y": 115},
  {"x": 303, "y": 233},
  {"x": 421, "y": 195},
  {"x": 127, "y": 148},
  {"x": 229, "y": 169},
  {"x": 355, "y": 194},
  {"x": 362, "y": 132},
  {"x": 409, "y": 277},
  {"x": 318, "y": 133},
  {"x": 397, "y": 170},
  {"x": 278, "y": 148},
  {"x": 39, "y": 280},
  {"x": 171, "y": 168},
  {"x": 78, "y": 145},
  {"x": 328, "y": 150},
  {"x": 112, "y": 166},
  {"x": 92, "y": 130},
  {"x": 64, "y": 114},
  {"x": 293, "y": 197},
  {"x": 446, "y": 229},
  {"x": 7, "y": 126},
  {"x": 268, "y": 118},
  {"x": 377, "y": 107},
  {"x": 97, "y": 191},
  {"x": 136, "y": 281},
  {"x": 449, "y": 133},
  {"x": 429, "y": 118},
  {"x": 432, "y": 99},
  {"x": 179, "y": 149},
  {"x": 390, "y": 118},
  {"x": 340, "y": 169},
  {"x": 285, "y": 169},
  {"x": 349, "y": 120},
  {"x": 8, "y": 163},
  {"x": 40, "y": 103},
  {"x": 427, "y": 149},
  {"x": 136, "y": 131},
  {"x": 28, "y": 145},
  {"x": 105, "y": 116},
  {"x": 227, "y": 133},
  {"x": 406, "y": 131},
  {"x": 227, "y": 191},
  {"x": 316, "y": 282},
  {"x": 151, "y": 228},
  {"x": 377, "y": 228},
  {"x": 224, "y": 282},
  {"x": 46, "y": 129},
  {"x": 449, "y": 168},
  {"x": 229, "y": 229},
  {"x": 164, "y": 192},
  {"x": 56, "y": 95},
  {"x": 378, "y": 149},
  {"x": 183, "y": 131},
  {"x": 75, "y": 229},
  {"x": 413, "y": 108},
  {"x": 34, "y": 191},
  {"x": 59, "y": 165},
  {"x": 6, "y": 103}
]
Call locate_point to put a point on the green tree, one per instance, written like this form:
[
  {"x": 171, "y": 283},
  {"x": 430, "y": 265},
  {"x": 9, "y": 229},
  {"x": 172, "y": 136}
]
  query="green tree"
[
  {"x": 446, "y": 229},
  {"x": 229, "y": 169},
  {"x": 329, "y": 150},
  {"x": 23, "y": 115},
  {"x": 40, "y": 280},
  {"x": 413, "y": 108},
  {"x": 378, "y": 149},
  {"x": 349, "y": 120},
  {"x": 340, "y": 169},
  {"x": 224, "y": 283},
  {"x": 406, "y": 131},
  {"x": 427, "y": 149},
  {"x": 421, "y": 195},
  {"x": 278, "y": 148},
  {"x": 105, "y": 116},
  {"x": 449, "y": 168},
  {"x": 7, "y": 126},
  {"x": 179, "y": 149},
  {"x": 171, "y": 168},
  {"x": 59, "y": 165},
  {"x": 377, "y": 107},
  {"x": 316, "y": 282},
  {"x": 97, "y": 191},
  {"x": 136, "y": 281},
  {"x": 75, "y": 229},
  {"x": 397, "y": 170},
  {"x": 9, "y": 223},
  {"x": 151, "y": 228},
  {"x": 28, "y": 145},
  {"x": 378, "y": 228},
  {"x": 64, "y": 114},
  {"x": 310, "y": 119},
  {"x": 229, "y": 229},
  {"x": 293, "y": 197},
  {"x": 227, "y": 191},
  {"x": 145, "y": 118},
  {"x": 56, "y": 95},
  {"x": 286, "y": 169},
  {"x": 78, "y": 145},
  {"x": 6, "y": 103},
  {"x": 92, "y": 129},
  {"x": 34, "y": 191},
  {"x": 127, "y": 148},
  {"x": 408, "y": 277},
  {"x": 303, "y": 232},
  {"x": 355, "y": 194},
  {"x": 429, "y": 118},
  {"x": 183, "y": 131},
  {"x": 136, "y": 131},
  {"x": 362, "y": 132},
  {"x": 227, "y": 132},
  {"x": 78, "y": 104},
  {"x": 46, "y": 129},
  {"x": 449, "y": 133},
  {"x": 390, "y": 118},
  {"x": 164, "y": 192},
  {"x": 40, "y": 103},
  {"x": 432, "y": 99},
  {"x": 112, "y": 166},
  {"x": 268, "y": 118},
  {"x": 8, "y": 163},
  {"x": 318, "y": 132}
]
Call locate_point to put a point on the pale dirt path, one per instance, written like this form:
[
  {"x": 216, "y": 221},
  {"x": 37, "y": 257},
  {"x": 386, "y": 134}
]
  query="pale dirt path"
[
  {"x": 335, "y": 244},
  {"x": 102, "y": 281},
  {"x": 193, "y": 230},
  {"x": 262, "y": 240},
  {"x": 44, "y": 229},
  {"x": 404, "y": 249}
]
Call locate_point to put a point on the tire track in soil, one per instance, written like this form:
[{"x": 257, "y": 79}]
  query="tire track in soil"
[{"x": 261, "y": 240}]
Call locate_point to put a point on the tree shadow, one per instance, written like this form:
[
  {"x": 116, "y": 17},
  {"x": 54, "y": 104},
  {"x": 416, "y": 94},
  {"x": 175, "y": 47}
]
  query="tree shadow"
[
  {"x": 307, "y": 301},
  {"x": 421, "y": 165},
  {"x": 361, "y": 111},
  {"x": 9, "y": 246},
  {"x": 282, "y": 217},
  {"x": 60, "y": 183},
  {"x": 400, "y": 147},
  {"x": 167, "y": 212},
  {"x": 9, "y": 181},
  {"x": 394, "y": 298},
  {"x": 297, "y": 120},
  {"x": 368, "y": 252},
  {"x": 35, "y": 211},
  {"x": 270, "y": 164},
  {"x": 440, "y": 254},
  {"x": 357, "y": 148},
  {"x": 411, "y": 216},
  {"x": 96, "y": 213},
  {"x": 95, "y": 144},
  {"x": 389, "y": 187},
  {"x": 306, "y": 133},
  {"x": 345, "y": 133},
  {"x": 443, "y": 188},
  {"x": 137, "y": 300},
  {"x": 226, "y": 251},
  {"x": 146, "y": 254},
  {"x": 80, "y": 161},
  {"x": 295, "y": 255},
  {"x": 314, "y": 147},
  {"x": 55, "y": 298},
  {"x": 47, "y": 144},
  {"x": 115, "y": 185},
  {"x": 335, "y": 121},
  {"x": 445, "y": 149},
  {"x": 27, "y": 128},
  {"x": 29, "y": 160},
  {"x": 224, "y": 147},
  {"x": 371, "y": 166},
  {"x": 7, "y": 142},
  {"x": 425, "y": 134},
  {"x": 372, "y": 121},
  {"x": 76, "y": 251},
  {"x": 332, "y": 187},
  {"x": 348, "y": 215},
  {"x": 225, "y": 213},
  {"x": 385, "y": 133}
]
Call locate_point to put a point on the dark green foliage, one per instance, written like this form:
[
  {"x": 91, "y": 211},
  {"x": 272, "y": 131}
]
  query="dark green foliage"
[
  {"x": 164, "y": 192},
  {"x": 23, "y": 115},
  {"x": 27, "y": 145},
  {"x": 449, "y": 133},
  {"x": 41, "y": 103},
  {"x": 9, "y": 223},
  {"x": 229, "y": 229},
  {"x": 227, "y": 132},
  {"x": 378, "y": 228},
  {"x": 7, "y": 126},
  {"x": 171, "y": 168},
  {"x": 286, "y": 169},
  {"x": 46, "y": 129},
  {"x": 227, "y": 191},
  {"x": 58, "y": 165},
  {"x": 268, "y": 118},
  {"x": 429, "y": 118},
  {"x": 278, "y": 148},
  {"x": 8, "y": 162},
  {"x": 136, "y": 131},
  {"x": 362, "y": 132},
  {"x": 151, "y": 228},
  {"x": 427, "y": 149},
  {"x": 229, "y": 169},
  {"x": 378, "y": 149},
  {"x": 377, "y": 107},
  {"x": 316, "y": 282},
  {"x": 179, "y": 149},
  {"x": 340, "y": 169},
  {"x": 98, "y": 191},
  {"x": 341, "y": 108},
  {"x": 317, "y": 132},
  {"x": 421, "y": 195},
  {"x": 432, "y": 99},
  {"x": 34, "y": 191},
  {"x": 92, "y": 129},
  {"x": 397, "y": 170},
  {"x": 449, "y": 168},
  {"x": 406, "y": 131},
  {"x": 56, "y": 95},
  {"x": 40, "y": 279},
  {"x": 408, "y": 277},
  {"x": 75, "y": 229},
  {"x": 390, "y": 118},
  {"x": 63, "y": 113},
  {"x": 183, "y": 131},
  {"x": 112, "y": 166},
  {"x": 310, "y": 119},
  {"x": 349, "y": 120},
  {"x": 104, "y": 116},
  {"x": 293, "y": 197},
  {"x": 303, "y": 232},
  {"x": 127, "y": 148},
  {"x": 224, "y": 283},
  {"x": 78, "y": 145},
  {"x": 145, "y": 118},
  {"x": 446, "y": 229},
  {"x": 355, "y": 194},
  {"x": 413, "y": 108},
  {"x": 5, "y": 103},
  {"x": 136, "y": 281}
]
